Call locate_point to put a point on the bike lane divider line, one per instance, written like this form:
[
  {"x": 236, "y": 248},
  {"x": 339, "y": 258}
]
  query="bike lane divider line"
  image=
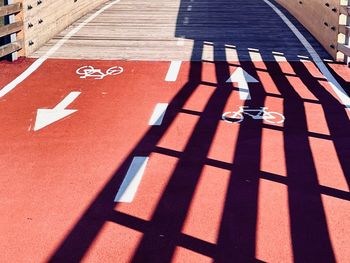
[
  {"x": 173, "y": 71},
  {"x": 241, "y": 77},
  {"x": 336, "y": 87},
  {"x": 158, "y": 114},
  {"x": 32, "y": 68},
  {"x": 46, "y": 117},
  {"x": 132, "y": 180}
]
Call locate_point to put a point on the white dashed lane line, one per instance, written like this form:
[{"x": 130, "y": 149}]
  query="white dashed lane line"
[
  {"x": 173, "y": 71},
  {"x": 132, "y": 180},
  {"x": 158, "y": 114}
]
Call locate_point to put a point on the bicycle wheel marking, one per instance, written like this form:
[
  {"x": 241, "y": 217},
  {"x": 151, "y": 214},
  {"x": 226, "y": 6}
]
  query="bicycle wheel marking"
[
  {"x": 232, "y": 117},
  {"x": 90, "y": 72}
]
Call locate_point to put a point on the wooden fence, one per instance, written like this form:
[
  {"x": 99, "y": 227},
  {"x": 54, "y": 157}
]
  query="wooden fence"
[
  {"x": 10, "y": 26},
  {"x": 327, "y": 20}
]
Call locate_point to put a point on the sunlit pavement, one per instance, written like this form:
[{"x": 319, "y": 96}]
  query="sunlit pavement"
[{"x": 209, "y": 189}]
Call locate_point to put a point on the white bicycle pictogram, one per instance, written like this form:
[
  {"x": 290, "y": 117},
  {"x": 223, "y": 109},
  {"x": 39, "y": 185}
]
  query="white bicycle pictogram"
[
  {"x": 256, "y": 114},
  {"x": 90, "y": 71}
]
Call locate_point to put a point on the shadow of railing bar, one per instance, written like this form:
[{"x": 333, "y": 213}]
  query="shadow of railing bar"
[
  {"x": 311, "y": 240},
  {"x": 309, "y": 134},
  {"x": 324, "y": 190},
  {"x": 191, "y": 112},
  {"x": 336, "y": 117},
  {"x": 186, "y": 241},
  {"x": 152, "y": 247},
  {"x": 80, "y": 238}
]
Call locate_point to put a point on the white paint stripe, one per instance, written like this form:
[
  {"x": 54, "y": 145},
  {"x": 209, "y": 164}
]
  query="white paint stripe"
[
  {"x": 208, "y": 51},
  {"x": 231, "y": 54},
  {"x": 173, "y": 71},
  {"x": 158, "y": 114},
  {"x": 278, "y": 53},
  {"x": 255, "y": 56},
  {"x": 280, "y": 58},
  {"x": 132, "y": 180},
  {"x": 304, "y": 57},
  {"x": 337, "y": 88},
  {"x": 9, "y": 87}
]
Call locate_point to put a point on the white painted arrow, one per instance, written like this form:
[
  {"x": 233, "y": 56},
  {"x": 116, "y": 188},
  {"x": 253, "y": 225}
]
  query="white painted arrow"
[
  {"x": 46, "y": 117},
  {"x": 242, "y": 78}
]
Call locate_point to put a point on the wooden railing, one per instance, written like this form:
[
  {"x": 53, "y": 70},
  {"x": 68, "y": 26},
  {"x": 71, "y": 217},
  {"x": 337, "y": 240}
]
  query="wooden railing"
[
  {"x": 344, "y": 28},
  {"x": 320, "y": 18},
  {"x": 10, "y": 29}
]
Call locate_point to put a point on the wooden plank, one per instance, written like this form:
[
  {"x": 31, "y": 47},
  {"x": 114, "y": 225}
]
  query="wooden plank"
[
  {"x": 345, "y": 49},
  {"x": 10, "y": 48},
  {"x": 11, "y": 28},
  {"x": 344, "y": 29},
  {"x": 10, "y": 9},
  {"x": 345, "y": 10}
]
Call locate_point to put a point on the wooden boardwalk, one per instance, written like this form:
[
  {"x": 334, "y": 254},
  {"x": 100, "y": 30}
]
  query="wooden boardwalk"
[{"x": 159, "y": 30}]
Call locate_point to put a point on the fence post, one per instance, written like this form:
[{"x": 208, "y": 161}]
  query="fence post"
[
  {"x": 10, "y": 11},
  {"x": 13, "y": 37}
]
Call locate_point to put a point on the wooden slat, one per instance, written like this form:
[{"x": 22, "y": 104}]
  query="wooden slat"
[
  {"x": 10, "y": 9},
  {"x": 10, "y": 48},
  {"x": 56, "y": 15},
  {"x": 344, "y": 29},
  {"x": 345, "y": 49},
  {"x": 11, "y": 28},
  {"x": 345, "y": 10}
]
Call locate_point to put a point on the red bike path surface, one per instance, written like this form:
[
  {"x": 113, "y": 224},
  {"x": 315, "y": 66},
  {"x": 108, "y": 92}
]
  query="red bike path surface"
[{"x": 211, "y": 191}]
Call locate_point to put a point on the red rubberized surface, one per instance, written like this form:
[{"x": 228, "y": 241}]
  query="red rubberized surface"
[{"x": 212, "y": 190}]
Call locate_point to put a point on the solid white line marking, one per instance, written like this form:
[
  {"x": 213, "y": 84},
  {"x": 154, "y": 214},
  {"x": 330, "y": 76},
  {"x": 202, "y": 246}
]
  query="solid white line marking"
[
  {"x": 132, "y": 180},
  {"x": 158, "y": 114},
  {"x": 9, "y": 87},
  {"x": 337, "y": 88},
  {"x": 173, "y": 71}
]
